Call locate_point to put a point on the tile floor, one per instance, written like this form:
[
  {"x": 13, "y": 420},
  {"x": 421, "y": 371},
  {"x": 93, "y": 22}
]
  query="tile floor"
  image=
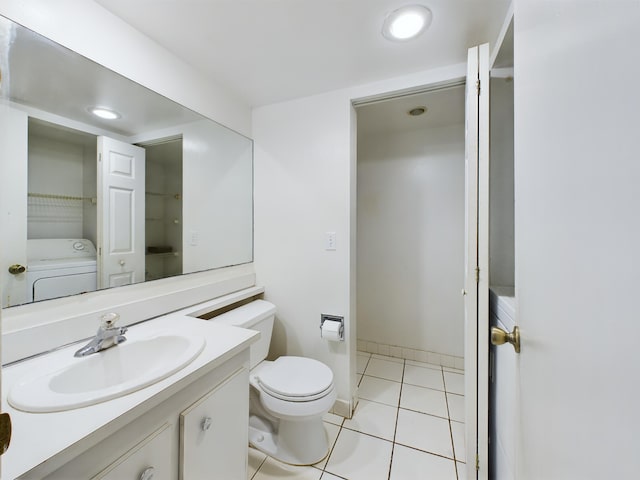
[{"x": 408, "y": 425}]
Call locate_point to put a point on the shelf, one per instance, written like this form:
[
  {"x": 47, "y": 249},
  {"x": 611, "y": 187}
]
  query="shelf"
[
  {"x": 161, "y": 255},
  {"x": 175, "y": 221},
  {"x": 177, "y": 196}
]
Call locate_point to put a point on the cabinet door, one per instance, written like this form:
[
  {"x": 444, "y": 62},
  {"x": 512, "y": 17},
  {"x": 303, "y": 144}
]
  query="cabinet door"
[
  {"x": 214, "y": 432},
  {"x": 149, "y": 460}
]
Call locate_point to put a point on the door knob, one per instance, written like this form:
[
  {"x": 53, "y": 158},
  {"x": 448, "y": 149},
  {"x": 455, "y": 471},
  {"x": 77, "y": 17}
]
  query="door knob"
[
  {"x": 148, "y": 474},
  {"x": 16, "y": 269},
  {"x": 500, "y": 337},
  {"x": 121, "y": 262},
  {"x": 206, "y": 424}
]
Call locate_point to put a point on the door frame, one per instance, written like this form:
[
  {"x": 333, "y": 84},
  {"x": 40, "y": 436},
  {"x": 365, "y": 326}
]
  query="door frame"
[
  {"x": 476, "y": 338},
  {"x": 476, "y": 289}
]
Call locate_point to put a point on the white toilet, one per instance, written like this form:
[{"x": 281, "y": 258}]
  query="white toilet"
[{"x": 288, "y": 396}]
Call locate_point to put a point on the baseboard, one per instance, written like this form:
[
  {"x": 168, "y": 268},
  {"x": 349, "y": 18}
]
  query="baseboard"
[{"x": 425, "y": 356}]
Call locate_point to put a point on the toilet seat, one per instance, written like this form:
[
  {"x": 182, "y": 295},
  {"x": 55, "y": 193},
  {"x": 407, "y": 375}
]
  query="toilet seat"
[{"x": 296, "y": 379}]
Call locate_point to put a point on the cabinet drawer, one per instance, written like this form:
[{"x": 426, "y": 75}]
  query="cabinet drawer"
[
  {"x": 214, "y": 432},
  {"x": 148, "y": 460}
]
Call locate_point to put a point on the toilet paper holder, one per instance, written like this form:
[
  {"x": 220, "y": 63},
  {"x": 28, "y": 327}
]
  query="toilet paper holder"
[{"x": 334, "y": 318}]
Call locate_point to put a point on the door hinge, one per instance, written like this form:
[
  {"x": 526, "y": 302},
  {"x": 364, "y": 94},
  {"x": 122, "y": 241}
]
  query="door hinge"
[
  {"x": 477, "y": 463},
  {"x": 478, "y": 86},
  {"x": 100, "y": 155},
  {"x": 477, "y": 274},
  {"x": 5, "y": 432}
]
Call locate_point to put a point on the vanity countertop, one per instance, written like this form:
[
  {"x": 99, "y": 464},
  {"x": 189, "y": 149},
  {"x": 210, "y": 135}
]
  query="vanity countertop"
[{"x": 39, "y": 436}]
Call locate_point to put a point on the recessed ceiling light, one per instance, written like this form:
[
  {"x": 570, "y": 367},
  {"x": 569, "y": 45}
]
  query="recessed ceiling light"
[
  {"x": 417, "y": 111},
  {"x": 406, "y": 23},
  {"x": 105, "y": 113}
]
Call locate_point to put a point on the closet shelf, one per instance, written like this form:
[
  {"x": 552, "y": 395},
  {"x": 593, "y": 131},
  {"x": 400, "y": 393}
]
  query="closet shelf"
[
  {"x": 177, "y": 196},
  {"x": 165, "y": 220},
  {"x": 161, "y": 255},
  {"x": 51, "y": 196}
]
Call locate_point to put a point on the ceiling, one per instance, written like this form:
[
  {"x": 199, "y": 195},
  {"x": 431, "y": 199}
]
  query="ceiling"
[
  {"x": 51, "y": 78},
  {"x": 445, "y": 107},
  {"x": 267, "y": 51}
]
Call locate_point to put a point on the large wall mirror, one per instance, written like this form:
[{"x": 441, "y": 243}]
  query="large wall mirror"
[{"x": 151, "y": 191}]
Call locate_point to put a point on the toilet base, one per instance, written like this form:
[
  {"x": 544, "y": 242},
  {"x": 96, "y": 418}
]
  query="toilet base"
[{"x": 302, "y": 442}]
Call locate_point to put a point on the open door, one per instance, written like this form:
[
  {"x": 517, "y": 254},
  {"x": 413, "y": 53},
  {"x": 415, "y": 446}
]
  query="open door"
[
  {"x": 121, "y": 199},
  {"x": 476, "y": 286}
]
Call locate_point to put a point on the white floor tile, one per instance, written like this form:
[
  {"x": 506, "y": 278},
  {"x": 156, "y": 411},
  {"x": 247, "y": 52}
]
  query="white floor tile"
[
  {"x": 272, "y": 469},
  {"x": 454, "y": 370},
  {"x": 385, "y": 369},
  {"x": 424, "y": 432},
  {"x": 462, "y": 470},
  {"x": 360, "y": 457},
  {"x": 333, "y": 418},
  {"x": 255, "y": 460},
  {"x": 361, "y": 362},
  {"x": 374, "y": 418},
  {"x": 423, "y": 364},
  {"x": 328, "y": 476},
  {"x": 332, "y": 433},
  {"x": 456, "y": 407},
  {"x": 388, "y": 358},
  {"x": 410, "y": 464},
  {"x": 423, "y": 377},
  {"x": 425, "y": 400},
  {"x": 379, "y": 390},
  {"x": 454, "y": 383},
  {"x": 457, "y": 431}
]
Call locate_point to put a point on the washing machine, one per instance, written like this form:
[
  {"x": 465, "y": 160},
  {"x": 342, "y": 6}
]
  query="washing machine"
[{"x": 57, "y": 267}]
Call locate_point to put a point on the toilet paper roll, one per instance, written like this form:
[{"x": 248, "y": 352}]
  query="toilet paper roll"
[{"x": 331, "y": 330}]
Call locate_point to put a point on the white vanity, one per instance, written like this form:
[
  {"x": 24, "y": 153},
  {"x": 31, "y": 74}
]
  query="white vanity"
[{"x": 190, "y": 425}]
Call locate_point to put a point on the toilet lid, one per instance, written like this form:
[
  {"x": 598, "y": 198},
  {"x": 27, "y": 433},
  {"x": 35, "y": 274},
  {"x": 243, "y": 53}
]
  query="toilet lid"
[{"x": 296, "y": 378}]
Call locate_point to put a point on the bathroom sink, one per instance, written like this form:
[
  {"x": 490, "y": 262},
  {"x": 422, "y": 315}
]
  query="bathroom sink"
[{"x": 108, "y": 374}]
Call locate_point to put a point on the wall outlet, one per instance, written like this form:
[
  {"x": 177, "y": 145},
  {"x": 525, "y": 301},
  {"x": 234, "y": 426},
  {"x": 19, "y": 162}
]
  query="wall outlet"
[
  {"x": 195, "y": 238},
  {"x": 330, "y": 241}
]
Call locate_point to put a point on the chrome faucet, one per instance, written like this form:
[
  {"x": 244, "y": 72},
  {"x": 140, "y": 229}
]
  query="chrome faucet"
[{"x": 108, "y": 335}]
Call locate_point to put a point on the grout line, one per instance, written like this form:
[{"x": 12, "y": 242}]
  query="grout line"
[
  {"x": 393, "y": 449},
  {"x": 365, "y": 367},
  {"x": 424, "y": 413},
  {"x": 395, "y": 430},
  {"x": 335, "y": 442},
  {"x": 337, "y": 476},
  {"x": 453, "y": 445},
  {"x": 425, "y": 451},
  {"x": 260, "y": 466},
  {"x": 382, "y": 378}
]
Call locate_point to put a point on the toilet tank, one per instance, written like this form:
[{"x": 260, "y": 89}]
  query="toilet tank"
[{"x": 257, "y": 315}]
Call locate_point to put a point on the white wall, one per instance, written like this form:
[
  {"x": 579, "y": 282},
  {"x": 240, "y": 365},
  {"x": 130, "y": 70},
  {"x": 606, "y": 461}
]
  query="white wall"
[
  {"x": 577, "y": 177},
  {"x": 92, "y": 31},
  {"x": 305, "y": 185},
  {"x": 302, "y": 172},
  {"x": 64, "y": 161},
  {"x": 411, "y": 239},
  {"x": 217, "y": 197},
  {"x": 217, "y": 194},
  {"x": 501, "y": 221}
]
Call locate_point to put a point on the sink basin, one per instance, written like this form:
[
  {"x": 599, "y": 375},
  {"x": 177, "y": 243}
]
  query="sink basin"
[{"x": 111, "y": 373}]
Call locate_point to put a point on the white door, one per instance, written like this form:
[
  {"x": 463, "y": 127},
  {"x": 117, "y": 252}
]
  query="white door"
[
  {"x": 476, "y": 289},
  {"x": 577, "y": 228},
  {"x": 121, "y": 226},
  {"x": 13, "y": 204}
]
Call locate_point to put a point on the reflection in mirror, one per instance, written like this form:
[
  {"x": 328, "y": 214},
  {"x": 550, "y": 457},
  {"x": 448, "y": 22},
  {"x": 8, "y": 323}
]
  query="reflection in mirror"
[{"x": 89, "y": 202}]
